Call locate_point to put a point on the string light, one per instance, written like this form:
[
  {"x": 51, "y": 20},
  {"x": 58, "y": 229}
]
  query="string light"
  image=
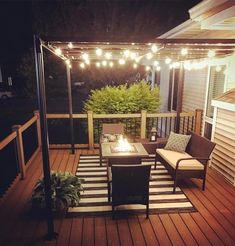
[
  {"x": 137, "y": 59},
  {"x": 155, "y": 63},
  {"x": 168, "y": 60},
  {"x": 147, "y": 68},
  {"x": 85, "y": 56},
  {"x": 99, "y": 52},
  {"x": 70, "y": 45},
  {"x": 211, "y": 53},
  {"x": 122, "y": 61},
  {"x": 104, "y": 63},
  {"x": 97, "y": 64},
  {"x": 158, "y": 68},
  {"x": 149, "y": 56},
  {"x": 67, "y": 62},
  {"x": 82, "y": 65},
  {"x": 111, "y": 64},
  {"x": 87, "y": 62},
  {"x": 133, "y": 55},
  {"x": 58, "y": 51},
  {"x": 108, "y": 55},
  {"x": 126, "y": 53},
  {"x": 154, "y": 48},
  {"x": 184, "y": 51},
  {"x": 135, "y": 65}
]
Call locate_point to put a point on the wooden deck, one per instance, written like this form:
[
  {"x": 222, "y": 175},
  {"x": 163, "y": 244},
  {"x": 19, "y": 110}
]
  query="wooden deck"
[{"x": 213, "y": 224}]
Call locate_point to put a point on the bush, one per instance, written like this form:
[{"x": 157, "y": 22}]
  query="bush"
[{"x": 124, "y": 99}]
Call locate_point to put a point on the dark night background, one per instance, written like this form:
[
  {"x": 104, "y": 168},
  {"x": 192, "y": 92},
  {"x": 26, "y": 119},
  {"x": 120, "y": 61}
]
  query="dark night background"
[
  {"x": 85, "y": 20},
  {"x": 81, "y": 20}
]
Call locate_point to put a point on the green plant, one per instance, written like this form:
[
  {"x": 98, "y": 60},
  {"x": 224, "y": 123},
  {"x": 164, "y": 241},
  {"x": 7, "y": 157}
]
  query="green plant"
[
  {"x": 124, "y": 99},
  {"x": 65, "y": 191}
]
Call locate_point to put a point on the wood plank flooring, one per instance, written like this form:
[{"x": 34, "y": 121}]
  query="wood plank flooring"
[{"x": 213, "y": 224}]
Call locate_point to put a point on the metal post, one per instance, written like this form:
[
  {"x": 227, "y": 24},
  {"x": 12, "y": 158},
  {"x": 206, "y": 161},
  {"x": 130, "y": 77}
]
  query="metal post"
[
  {"x": 70, "y": 107},
  {"x": 179, "y": 97},
  {"x": 39, "y": 65}
]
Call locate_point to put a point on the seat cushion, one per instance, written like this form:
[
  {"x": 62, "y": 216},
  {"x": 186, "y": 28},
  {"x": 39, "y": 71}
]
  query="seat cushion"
[
  {"x": 173, "y": 156},
  {"x": 177, "y": 142}
]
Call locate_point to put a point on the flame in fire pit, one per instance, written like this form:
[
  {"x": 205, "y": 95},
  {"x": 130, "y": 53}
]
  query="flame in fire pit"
[{"x": 123, "y": 145}]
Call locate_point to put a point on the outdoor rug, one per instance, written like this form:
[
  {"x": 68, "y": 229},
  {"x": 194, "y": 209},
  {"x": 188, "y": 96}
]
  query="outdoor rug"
[{"x": 94, "y": 199}]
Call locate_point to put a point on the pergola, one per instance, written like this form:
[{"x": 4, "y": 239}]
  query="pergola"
[{"x": 171, "y": 52}]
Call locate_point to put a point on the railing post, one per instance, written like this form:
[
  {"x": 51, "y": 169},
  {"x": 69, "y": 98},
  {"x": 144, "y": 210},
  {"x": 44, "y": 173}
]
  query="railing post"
[
  {"x": 36, "y": 113},
  {"x": 198, "y": 121},
  {"x": 20, "y": 149},
  {"x": 143, "y": 124},
  {"x": 90, "y": 129}
]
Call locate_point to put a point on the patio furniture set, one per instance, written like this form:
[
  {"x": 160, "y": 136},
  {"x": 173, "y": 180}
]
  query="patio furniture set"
[{"x": 184, "y": 156}]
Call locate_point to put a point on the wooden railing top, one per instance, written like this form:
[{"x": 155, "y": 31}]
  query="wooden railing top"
[
  {"x": 7, "y": 140},
  {"x": 123, "y": 116}
]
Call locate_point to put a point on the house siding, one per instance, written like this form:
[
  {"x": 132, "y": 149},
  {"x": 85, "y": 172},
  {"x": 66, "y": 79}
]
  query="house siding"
[{"x": 223, "y": 157}]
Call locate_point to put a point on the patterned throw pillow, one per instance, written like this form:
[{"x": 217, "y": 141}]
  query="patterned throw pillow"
[{"x": 177, "y": 142}]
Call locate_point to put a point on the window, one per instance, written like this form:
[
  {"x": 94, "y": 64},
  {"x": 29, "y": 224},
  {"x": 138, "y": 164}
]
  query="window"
[
  {"x": 216, "y": 86},
  {"x": 173, "y": 89}
]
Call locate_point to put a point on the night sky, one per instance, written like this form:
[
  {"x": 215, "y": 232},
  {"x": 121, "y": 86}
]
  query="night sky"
[{"x": 90, "y": 20}]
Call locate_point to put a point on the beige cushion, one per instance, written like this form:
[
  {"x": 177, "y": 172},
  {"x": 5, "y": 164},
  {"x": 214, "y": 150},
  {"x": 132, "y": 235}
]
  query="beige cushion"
[
  {"x": 177, "y": 142},
  {"x": 173, "y": 156}
]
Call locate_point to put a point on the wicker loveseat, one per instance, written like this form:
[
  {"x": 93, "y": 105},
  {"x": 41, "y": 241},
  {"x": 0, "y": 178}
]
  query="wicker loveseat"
[{"x": 191, "y": 164}]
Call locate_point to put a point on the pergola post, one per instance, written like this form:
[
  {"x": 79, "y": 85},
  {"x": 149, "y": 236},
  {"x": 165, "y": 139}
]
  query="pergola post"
[
  {"x": 39, "y": 64},
  {"x": 179, "y": 97},
  {"x": 70, "y": 107}
]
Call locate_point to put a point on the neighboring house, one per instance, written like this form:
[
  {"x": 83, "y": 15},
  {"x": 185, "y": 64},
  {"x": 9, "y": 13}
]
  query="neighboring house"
[{"x": 208, "y": 20}]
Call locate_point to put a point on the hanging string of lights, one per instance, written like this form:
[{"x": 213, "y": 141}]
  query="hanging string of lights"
[{"x": 152, "y": 56}]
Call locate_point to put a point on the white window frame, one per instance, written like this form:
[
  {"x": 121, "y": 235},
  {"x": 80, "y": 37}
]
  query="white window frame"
[{"x": 215, "y": 62}]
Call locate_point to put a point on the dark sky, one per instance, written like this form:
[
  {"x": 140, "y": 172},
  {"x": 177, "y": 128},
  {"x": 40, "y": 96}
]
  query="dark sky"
[{"x": 120, "y": 20}]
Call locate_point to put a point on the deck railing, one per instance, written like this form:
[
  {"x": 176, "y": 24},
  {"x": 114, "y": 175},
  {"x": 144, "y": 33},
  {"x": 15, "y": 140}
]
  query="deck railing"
[
  {"x": 25, "y": 143},
  {"x": 138, "y": 125}
]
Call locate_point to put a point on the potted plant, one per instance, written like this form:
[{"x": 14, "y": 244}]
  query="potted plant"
[{"x": 65, "y": 191}]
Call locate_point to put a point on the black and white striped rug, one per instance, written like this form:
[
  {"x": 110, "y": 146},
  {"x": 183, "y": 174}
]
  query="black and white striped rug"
[{"x": 94, "y": 199}]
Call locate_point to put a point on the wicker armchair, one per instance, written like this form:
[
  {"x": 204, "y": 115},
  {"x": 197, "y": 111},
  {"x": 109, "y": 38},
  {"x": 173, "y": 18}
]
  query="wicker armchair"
[{"x": 130, "y": 185}]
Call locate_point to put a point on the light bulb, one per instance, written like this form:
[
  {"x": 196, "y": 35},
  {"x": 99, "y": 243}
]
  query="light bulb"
[
  {"x": 126, "y": 53},
  {"x": 135, "y": 65},
  {"x": 149, "y": 56},
  {"x": 147, "y": 68},
  {"x": 87, "y": 62},
  {"x": 82, "y": 65},
  {"x": 158, "y": 68},
  {"x": 122, "y": 61},
  {"x": 97, "y": 64},
  {"x": 155, "y": 63},
  {"x": 111, "y": 64},
  {"x": 99, "y": 52},
  {"x": 104, "y": 63},
  {"x": 70, "y": 45},
  {"x": 58, "y": 51},
  {"x": 154, "y": 48},
  {"x": 168, "y": 60},
  {"x": 211, "y": 53},
  {"x": 184, "y": 51},
  {"x": 108, "y": 55},
  {"x": 85, "y": 56}
]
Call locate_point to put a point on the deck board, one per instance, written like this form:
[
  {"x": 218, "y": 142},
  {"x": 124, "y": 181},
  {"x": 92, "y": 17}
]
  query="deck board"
[{"x": 214, "y": 223}]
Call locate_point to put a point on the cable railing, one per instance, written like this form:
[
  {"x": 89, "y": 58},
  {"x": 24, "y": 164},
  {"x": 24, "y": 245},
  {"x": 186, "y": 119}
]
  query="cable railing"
[{"x": 137, "y": 125}]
